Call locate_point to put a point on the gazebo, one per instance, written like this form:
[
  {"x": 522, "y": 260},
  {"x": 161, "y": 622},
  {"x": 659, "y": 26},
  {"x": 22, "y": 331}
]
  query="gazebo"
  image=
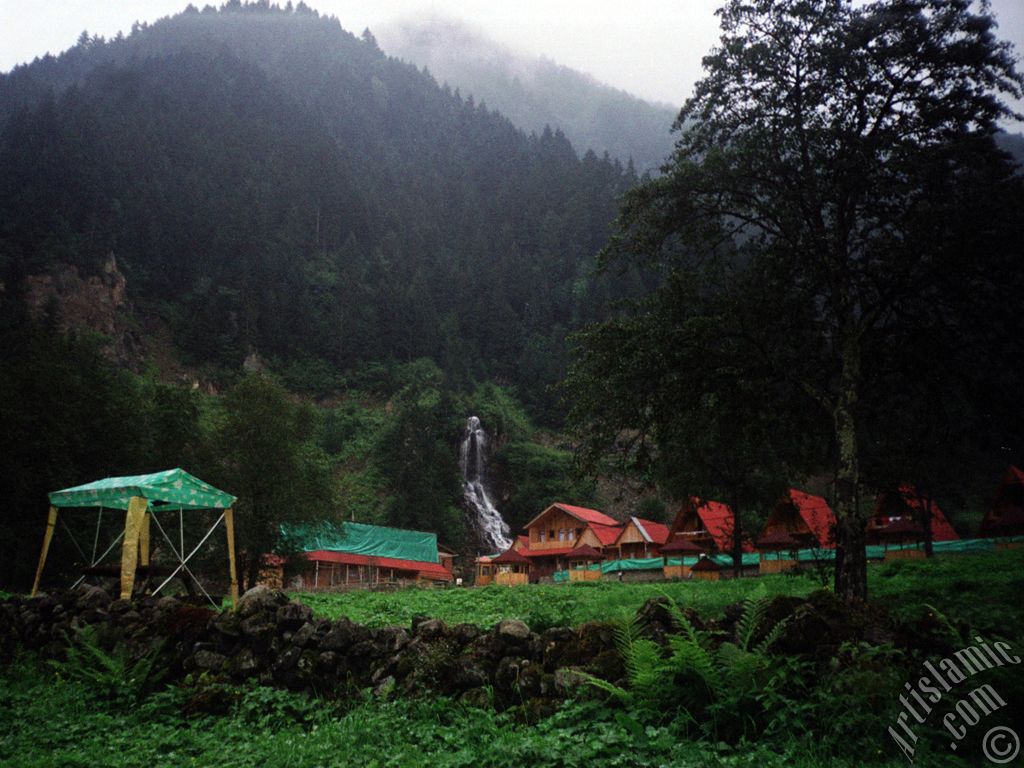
[
  {"x": 706, "y": 569},
  {"x": 683, "y": 547},
  {"x": 144, "y": 499},
  {"x": 579, "y": 563},
  {"x": 513, "y": 568}
]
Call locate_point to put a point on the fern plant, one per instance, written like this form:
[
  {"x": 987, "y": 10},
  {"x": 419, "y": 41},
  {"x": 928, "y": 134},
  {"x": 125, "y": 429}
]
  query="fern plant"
[
  {"x": 114, "y": 676},
  {"x": 718, "y": 687}
]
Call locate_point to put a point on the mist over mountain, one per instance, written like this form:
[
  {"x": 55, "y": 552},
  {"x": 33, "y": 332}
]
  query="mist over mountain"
[
  {"x": 536, "y": 92},
  {"x": 270, "y": 183}
]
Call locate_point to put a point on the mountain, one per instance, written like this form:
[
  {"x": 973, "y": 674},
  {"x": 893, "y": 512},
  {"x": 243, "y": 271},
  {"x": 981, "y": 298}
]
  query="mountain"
[
  {"x": 271, "y": 184},
  {"x": 536, "y": 92}
]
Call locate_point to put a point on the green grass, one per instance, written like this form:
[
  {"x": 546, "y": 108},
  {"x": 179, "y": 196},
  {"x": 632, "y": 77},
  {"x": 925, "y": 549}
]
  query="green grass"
[
  {"x": 981, "y": 589},
  {"x": 48, "y": 723},
  {"x": 984, "y": 590},
  {"x": 541, "y": 605}
]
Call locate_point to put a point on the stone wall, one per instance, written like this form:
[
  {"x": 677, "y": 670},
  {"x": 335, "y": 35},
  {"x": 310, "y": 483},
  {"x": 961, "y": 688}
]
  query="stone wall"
[{"x": 277, "y": 642}]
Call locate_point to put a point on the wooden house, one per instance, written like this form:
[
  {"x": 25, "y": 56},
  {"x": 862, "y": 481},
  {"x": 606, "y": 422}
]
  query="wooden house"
[
  {"x": 512, "y": 568},
  {"x": 899, "y": 520},
  {"x": 804, "y": 517},
  {"x": 640, "y": 538},
  {"x": 1006, "y": 517},
  {"x": 601, "y": 537},
  {"x": 708, "y": 524},
  {"x": 346, "y": 555},
  {"x": 558, "y": 530}
]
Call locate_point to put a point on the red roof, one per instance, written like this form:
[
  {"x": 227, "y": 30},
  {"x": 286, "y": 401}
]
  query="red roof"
[
  {"x": 681, "y": 545},
  {"x": 1015, "y": 475},
  {"x": 547, "y": 552},
  {"x": 510, "y": 556},
  {"x": 706, "y": 564},
  {"x": 941, "y": 529},
  {"x": 777, "y": 540},
  {"x": 586, "y": 552},
  {"x": 606, "y": 534},
  {"x": 718, "y": 520},
  {"x": 655, "y": 533},
  {"x": 435, "y": 570},
  {"x": 816, "y": 513},
  {"x": 587, "y": 515}
]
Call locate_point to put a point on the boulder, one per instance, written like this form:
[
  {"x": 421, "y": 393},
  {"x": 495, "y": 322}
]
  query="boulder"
[
  {"x": 259, "y": 599},
  {"x": 513, "y": 629},
  {"x": 293, "y": 615}
]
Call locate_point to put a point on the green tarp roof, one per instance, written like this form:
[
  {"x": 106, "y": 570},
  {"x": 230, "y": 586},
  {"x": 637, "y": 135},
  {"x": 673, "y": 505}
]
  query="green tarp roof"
[
  {"x": 171, "y": 489},
  {"x": 363, "y": 539}
]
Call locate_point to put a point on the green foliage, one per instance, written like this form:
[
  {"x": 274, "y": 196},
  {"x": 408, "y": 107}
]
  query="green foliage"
[
  {"x": 547, "y": 605},
  {"x": 112, "y": 676},
  {"x": 536, "y": 475},
  {"x": 261, "y": 448},
  {"x": 46, "y": 723}
]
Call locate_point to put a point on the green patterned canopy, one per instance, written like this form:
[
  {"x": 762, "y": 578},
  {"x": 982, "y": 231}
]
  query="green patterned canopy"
[{"x": 171, "y": 489}]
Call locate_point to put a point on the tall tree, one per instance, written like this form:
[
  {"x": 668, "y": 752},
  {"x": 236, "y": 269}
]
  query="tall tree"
[
  {"x": 262, "y": 451},
  {"x": 834, "y": 142}
]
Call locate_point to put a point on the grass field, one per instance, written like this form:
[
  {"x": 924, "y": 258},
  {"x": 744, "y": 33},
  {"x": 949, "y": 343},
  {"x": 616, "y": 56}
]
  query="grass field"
[
  {"x": 47, "y": 720},
  {"x": 982, "y": 589}
]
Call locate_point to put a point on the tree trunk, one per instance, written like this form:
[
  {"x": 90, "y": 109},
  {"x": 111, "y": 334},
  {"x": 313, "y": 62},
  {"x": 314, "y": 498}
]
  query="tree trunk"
[
  {"x": 851, "y": 577},
  {"x": 929, "y": 516},
  {"x": 737, "y": 537}
]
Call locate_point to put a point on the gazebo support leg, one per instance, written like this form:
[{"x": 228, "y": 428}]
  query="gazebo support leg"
[
  {"x": 51, "y": 523},
  {"x": 229, "y": 526},
  {"x": 133, "y": 524}
]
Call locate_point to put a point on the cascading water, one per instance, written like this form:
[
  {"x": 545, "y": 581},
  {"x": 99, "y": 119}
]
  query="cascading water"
[{"x": 494, "y": 532}]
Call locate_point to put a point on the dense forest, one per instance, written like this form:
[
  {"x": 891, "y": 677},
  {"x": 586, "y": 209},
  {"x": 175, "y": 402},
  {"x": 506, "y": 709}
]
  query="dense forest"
[
  {"x": 274, "y": 189},
  {"x": 244, "y": 237}
]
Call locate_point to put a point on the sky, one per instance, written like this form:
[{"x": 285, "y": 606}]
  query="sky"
[{"x": 651, "y": 48}]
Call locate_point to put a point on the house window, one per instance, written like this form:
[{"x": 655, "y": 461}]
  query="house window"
[
  {"x": 542, "y": 536},
  {"x": 551, "y": 534},
  {"x": 561, "y": 534},
  {"x": 572, "y": 534}
]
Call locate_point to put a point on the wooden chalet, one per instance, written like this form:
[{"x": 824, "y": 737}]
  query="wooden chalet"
[
  {"x": 798, "y": 521},
  {"x": 1006, "y": 517},
  {"x": 640, "y": 538},
  {"x": 555, "y": 533},
  {"x": 708, "y": 524},
  {"x": 899, "y": 520}
]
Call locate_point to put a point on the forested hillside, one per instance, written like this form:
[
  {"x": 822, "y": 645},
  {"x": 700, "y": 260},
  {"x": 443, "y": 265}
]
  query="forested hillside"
[
  {"x": 534, "y": 92},
  {"x": 271, "y": 183},
  {"x": 256, "y": 184}
]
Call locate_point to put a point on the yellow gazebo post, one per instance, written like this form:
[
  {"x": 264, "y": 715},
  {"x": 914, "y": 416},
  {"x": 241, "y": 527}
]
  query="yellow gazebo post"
[
  {"x": 135, "y": 521},
  {"x": 229, "y": 526},
  {"x": 51, "y": 523}
]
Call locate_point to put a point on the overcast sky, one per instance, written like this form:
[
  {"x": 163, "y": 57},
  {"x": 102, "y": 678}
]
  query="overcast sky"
[{"x": 651, "y": 48}]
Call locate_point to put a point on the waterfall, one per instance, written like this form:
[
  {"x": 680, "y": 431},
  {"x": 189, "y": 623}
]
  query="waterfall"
[{"x": 493, "y": 531}]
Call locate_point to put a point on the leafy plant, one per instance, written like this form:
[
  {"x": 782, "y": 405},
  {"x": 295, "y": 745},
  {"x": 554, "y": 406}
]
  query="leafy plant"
[
  {"x": 116, "y": 676},
  {"x": 690, "y": 676}
]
